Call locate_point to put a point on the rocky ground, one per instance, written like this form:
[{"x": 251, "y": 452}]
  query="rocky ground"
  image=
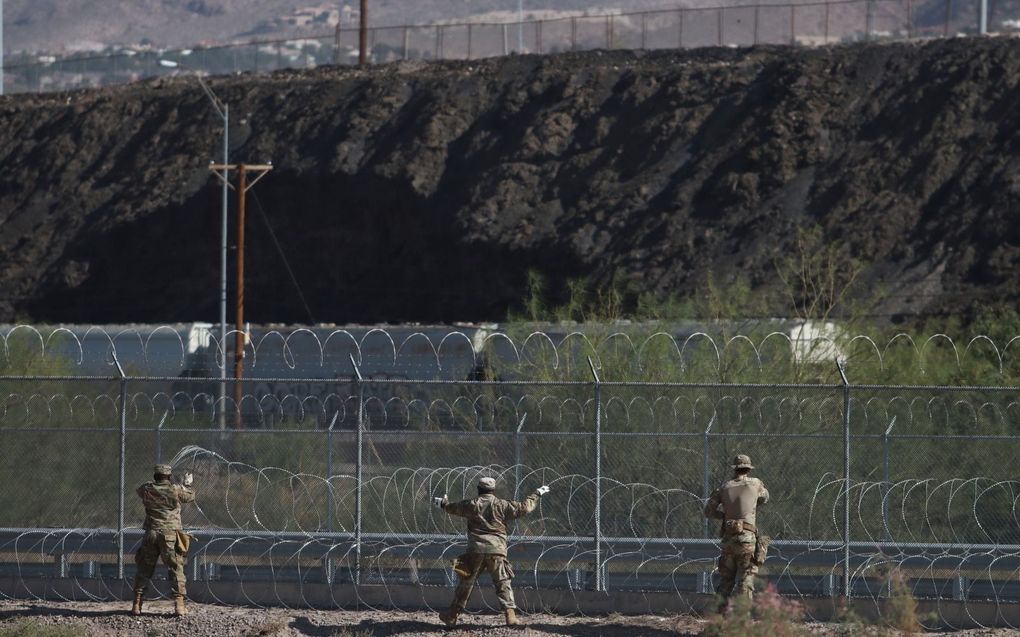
[
  {"x": 112, "y": 620},
  {"x": 427, "y": 191}
]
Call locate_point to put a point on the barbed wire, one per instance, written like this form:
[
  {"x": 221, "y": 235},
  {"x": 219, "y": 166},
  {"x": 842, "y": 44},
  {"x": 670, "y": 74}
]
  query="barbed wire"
[
  {"x": 175, "y": 349},
  {"x": 268, "y": 523}
]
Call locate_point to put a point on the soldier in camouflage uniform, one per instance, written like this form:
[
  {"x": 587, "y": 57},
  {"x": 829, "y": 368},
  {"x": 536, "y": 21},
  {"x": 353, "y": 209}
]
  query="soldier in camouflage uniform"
[
  {"x": 487, "y": 518},
  {"x": 736, "y": 504},
  {"x": 164, "y": 537}
]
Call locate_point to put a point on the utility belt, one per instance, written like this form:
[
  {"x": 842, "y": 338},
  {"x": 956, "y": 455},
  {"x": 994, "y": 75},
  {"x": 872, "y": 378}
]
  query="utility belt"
[{"x": 736, "y": 527}]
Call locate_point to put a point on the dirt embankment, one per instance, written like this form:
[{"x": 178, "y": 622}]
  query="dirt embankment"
[{"x": 424, "y": 192}]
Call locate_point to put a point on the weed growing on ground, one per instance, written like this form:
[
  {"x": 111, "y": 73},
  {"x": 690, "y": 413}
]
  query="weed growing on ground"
[
  {"x": 901, "y": 607},
  {"x": 31, "y": 629},
  {"x": 769, "y": 616}
]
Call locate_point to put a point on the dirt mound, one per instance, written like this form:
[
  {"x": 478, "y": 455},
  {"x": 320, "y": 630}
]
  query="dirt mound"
[{"x": 425, "y": 192}]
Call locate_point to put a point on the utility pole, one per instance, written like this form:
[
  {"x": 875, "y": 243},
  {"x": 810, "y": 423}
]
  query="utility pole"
[
  {"x": 363, "y": 34},
  {"x": 239, "y": 337}
]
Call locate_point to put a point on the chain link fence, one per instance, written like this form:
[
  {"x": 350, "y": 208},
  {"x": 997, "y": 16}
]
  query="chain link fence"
[
  {"x": 335, "y": 485},
  {"x": 740, "y": 24}
]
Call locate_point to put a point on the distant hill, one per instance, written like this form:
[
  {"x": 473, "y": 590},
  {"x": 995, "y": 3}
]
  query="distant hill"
[
  {"x": 57, "y": 26},
  {"x": 428, "y": 192}
]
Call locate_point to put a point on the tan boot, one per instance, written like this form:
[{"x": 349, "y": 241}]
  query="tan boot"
[
  {"x": 448, "y": 617},
  {"x": 511, "y": 617},
  {"x": 136, "y": 608},
  {"x": 179, "y": 608}
]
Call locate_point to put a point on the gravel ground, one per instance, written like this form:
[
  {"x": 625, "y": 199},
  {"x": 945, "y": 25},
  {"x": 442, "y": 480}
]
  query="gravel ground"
[{"x": 112, "y": 620}]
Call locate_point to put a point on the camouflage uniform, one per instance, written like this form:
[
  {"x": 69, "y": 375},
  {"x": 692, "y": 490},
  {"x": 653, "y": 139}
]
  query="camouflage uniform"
[
  {"x": 162, "y": 501},
  {"x": 736, "y": 503},
  {"x": 487, "y": 518}
]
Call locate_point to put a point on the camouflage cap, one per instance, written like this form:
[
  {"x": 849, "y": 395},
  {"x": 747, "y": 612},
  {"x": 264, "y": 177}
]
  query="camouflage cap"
[
  {"x": 163, "y": 470},
  {"x": 742, "y": 462},
  {"x": 488, "y": 484}
]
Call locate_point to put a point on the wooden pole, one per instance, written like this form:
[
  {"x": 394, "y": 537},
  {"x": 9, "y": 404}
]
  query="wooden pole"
[{"x": 242, "y": 187}]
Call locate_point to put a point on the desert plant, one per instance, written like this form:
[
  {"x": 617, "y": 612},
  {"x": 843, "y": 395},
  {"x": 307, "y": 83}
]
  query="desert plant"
[
  {"x": 901, "y": 608},
  {"x": 770, "y": 615}
]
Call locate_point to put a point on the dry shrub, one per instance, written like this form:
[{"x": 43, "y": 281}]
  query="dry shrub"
[
  {"x": 901, "y": 607},
  {"x": 769, "y": 616}
]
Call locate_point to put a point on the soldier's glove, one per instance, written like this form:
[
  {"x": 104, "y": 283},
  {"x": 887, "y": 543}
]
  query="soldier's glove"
[
  {"x": 188, "y": 479},
  {"x": 542, "y": 490},
  {"x": 439, "y": 502}
]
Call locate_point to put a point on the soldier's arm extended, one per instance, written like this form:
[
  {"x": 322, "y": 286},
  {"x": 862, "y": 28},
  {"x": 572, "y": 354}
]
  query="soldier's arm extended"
[
  {"x": 461, "y": 509},
  {"x": 184, "y": 494},
  {"x": 524, "y": 507},
  {"x": 763, "y": 493},
  {"x": 712, "y": 506}
]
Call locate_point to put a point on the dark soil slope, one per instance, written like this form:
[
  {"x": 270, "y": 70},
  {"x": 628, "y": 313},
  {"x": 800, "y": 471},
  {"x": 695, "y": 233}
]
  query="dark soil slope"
[{"x": 424, "y": 192}]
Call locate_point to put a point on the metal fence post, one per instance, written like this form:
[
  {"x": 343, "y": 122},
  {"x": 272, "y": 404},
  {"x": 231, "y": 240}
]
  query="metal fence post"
[
  {"x": 122, "y": 463},
  {"x": 680, "y": 31},
  {"x": 518, "y": 452},
  {"x": 846, "y": 477},
  {"x": 506, "y": 40},
  {"x": 407, "y": 41},
  {"x": 336, "y": 45},
  {"x": 359, "y": 472},
  {"x": 719, "y": 26},
  {"x": 793, "y": 24},
  {"x": 599, "y": 584},
  {"x": 885, "y": 475},
  {"x": 329, "y": 473},
  {"x": 706, "y": 476},
  {"x": 826, "y": 22},
  {"x": 159, "y": 438}
]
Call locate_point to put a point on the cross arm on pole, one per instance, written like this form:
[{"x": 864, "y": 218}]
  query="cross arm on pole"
[
  {"x": 261, "y": 169},
  {"x": 216, "y": 168}
]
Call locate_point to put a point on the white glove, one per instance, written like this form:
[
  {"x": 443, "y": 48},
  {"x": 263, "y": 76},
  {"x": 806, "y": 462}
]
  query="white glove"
[
  {"x": 542, "y": 490},
  {"x": 188, "y": 479},
  {"x": 439, "y": 502}
]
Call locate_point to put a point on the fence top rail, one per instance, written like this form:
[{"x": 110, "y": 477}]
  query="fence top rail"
[{"x": 346, "y": 380}]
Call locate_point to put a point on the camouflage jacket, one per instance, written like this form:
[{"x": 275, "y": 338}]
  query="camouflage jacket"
[
  {"x": 487, "y": 518},
  {"x": 163, "y": 502},
  {"x": 737, "y": 499}
]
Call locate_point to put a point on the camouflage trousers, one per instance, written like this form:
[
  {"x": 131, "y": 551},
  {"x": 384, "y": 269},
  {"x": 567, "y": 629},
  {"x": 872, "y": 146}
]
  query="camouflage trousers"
[
  {"x": 736, "y": 566},
  {"x": 471, "y": 566},
  {"x": 156, "y": 545}
]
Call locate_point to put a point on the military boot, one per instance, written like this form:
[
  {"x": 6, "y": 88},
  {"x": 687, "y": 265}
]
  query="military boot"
[
  {"x": 449, "y": 617},
  {"x": 136, "y": 608},
  {"x": 179, "y": 609},
  {"x": 511, "y": 617}
]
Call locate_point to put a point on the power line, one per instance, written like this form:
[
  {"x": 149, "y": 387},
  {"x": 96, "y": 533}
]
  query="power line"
[{"x": 286, "y": 262}]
